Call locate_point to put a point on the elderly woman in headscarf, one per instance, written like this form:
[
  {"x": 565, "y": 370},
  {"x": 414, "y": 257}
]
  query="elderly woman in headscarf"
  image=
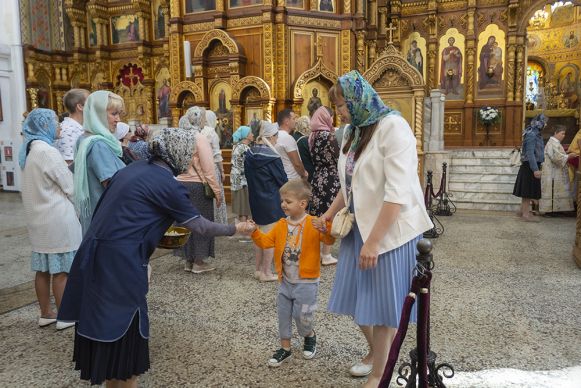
[
  {"x": 108, "y": 285},
  {"x": 98, "y": 152},
  {"x": 528, "y": 180},
  {"x": 47, "y": 194},
  {"x": 303, "y": 125},
  {"x": 138, "y": 143},
  {"x": 238, "y": 185},
  {"x": 379, "y": 184},
  {"x": 209, "y": 130},
  {"x": 200, "y": 172},
  {"x": 265, "y": 175},
  {"x": 325, "y": 181}
]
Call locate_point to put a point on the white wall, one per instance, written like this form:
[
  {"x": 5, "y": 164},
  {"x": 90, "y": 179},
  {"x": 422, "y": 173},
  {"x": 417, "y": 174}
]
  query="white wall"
[{"x": 12, "y": 92}]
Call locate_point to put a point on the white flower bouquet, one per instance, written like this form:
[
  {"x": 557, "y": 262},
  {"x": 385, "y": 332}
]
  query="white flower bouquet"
[{"x": 489, "y": 115}]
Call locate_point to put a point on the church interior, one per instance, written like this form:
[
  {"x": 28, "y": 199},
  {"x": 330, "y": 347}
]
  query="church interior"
[{"x": 438, "y": 62}]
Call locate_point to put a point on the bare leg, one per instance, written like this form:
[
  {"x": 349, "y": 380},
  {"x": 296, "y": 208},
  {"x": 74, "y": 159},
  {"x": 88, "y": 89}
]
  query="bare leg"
[
  {"x": 368, "y": 333},
  {"x": 382, "y": 339},
  {"x": 525, "y": 208},
  {"x": 130, "y": 383},
  {"x": 258, "y": 253},
  {"x": 267, "y": 255},
  {"x": 285, "y": 344},
  {"x": 42, "y": 287},
  {"x": 59, "y": 281}
]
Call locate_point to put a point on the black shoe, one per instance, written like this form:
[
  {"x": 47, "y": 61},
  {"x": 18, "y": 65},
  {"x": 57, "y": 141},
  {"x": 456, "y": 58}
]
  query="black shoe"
[
  {"x": 279, "y": 357},
  {"x": 310, "y": 347}
]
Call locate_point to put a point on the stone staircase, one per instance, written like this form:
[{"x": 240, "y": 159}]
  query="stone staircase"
[{"x": 482, "y": 179}]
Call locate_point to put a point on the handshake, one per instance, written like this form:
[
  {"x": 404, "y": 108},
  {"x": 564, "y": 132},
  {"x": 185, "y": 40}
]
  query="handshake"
[{"x": 246, "y": 227}]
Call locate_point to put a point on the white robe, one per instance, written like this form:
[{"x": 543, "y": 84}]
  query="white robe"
[{"x": 555, "y": 194}]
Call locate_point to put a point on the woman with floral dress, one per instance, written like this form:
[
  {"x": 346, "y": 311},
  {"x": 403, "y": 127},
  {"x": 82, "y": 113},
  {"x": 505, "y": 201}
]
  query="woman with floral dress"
[
  {"x": 325, "y": 181},
  {"x": 240, "y": 203}
]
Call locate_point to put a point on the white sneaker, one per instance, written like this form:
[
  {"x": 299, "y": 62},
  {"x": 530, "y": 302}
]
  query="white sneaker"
[
  {"x": 328, "y": 260},
  {"x": 42, "y": 322},
  {"x": 360, "y": 369},
  {"x": 60, "y": 325},
  {"x": 201, "y": 268}
]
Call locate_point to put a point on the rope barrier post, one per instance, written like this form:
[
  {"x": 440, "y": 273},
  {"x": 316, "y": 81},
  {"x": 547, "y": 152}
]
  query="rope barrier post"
[
  {"x": 438, "y": 228},
  {"x": 422, "y": 368},
  {"x": 445, "y": 205}
]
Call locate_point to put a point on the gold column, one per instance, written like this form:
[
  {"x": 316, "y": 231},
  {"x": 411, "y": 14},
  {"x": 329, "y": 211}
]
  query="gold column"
[
  {"x": 269, "y": 49},
  {"x": 33, "y": 93},
  {"x": 432, "y": 73},
  {"x": 347, "y": 7},
  {"x": 345, "y": 51},
  {"x": 76, "y": 34},
  {"x": 372, "y": 51},
  {"x": 281, "y": 61},
  {"x": 520, "y": 71},
  {"x": 220, "y": 8},
  {"x": 510, "y": 72},
  {"x": 469, "y": 77},
  {"x": 360, "y": 7},
  {"x": 360, "y": 51},
  {"x": 382, "y": 21},
  {"x": 372, "y": 12}
]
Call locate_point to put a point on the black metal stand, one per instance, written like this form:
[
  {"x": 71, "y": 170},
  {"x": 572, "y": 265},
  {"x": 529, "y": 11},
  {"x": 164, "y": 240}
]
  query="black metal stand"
[
  {"x": 445, "y": 205},
  {"x": 422, "y": 371},
  {"x": 438, "y": 228}
]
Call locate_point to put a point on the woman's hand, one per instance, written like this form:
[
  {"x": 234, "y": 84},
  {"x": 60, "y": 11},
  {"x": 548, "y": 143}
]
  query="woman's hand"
[
  {"x": 321, "y": 223},
  {"x": 368, "y": 256},
  {"x": 537, "y": 174},
  {"x": 246, "y": 227}
]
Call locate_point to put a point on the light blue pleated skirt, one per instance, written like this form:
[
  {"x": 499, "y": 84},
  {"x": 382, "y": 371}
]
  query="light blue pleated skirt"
[{"x": 373, "y": 297}]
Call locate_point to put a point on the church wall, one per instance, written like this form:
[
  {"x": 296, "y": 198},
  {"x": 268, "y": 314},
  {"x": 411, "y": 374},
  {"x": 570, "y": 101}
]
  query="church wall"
[{"x": 251, "y": 41}]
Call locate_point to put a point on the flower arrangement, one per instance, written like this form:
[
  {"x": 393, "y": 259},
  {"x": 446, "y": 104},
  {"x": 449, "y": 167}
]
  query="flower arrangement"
[{"x": 489, "y": 115}]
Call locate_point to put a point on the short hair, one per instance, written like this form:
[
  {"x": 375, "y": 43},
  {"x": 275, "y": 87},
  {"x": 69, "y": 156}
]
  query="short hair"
[
  {"x": 74, "y": 97},
  {"x": 283, "y": 115},
  {"x": 297, "y": 187},
  {"x": 559, "y": 128},
  {"x": 303, "y": 125},
  {"x": 115, "y": 102}
]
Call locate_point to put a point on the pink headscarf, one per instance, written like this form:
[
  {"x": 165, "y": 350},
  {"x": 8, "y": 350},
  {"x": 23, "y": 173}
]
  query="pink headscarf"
[{"x": 320, "y": 122}]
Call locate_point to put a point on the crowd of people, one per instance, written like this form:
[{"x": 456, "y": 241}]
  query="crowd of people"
[
  {"x": 114, "y": 193},
  {"x": 546, "y": 175}
]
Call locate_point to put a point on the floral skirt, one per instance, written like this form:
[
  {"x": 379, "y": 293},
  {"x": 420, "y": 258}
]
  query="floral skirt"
[{"x": 52, "y": 262}]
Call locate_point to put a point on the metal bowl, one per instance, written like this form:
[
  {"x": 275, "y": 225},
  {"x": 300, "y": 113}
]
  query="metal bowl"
[{"x": 174, "y": 237}]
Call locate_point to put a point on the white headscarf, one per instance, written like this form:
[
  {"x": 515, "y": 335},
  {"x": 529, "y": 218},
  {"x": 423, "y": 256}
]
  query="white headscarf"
[
  {"x": 121, "y": 131},
  {"x": 268, "y": 130}
]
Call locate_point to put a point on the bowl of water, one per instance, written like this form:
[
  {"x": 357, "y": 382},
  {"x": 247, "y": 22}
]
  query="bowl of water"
[{"x": 174, "y": 237}]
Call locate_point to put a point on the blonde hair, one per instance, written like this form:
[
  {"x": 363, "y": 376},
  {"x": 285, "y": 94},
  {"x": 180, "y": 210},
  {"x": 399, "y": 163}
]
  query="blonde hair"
[
  {"x": 75, "y": 97},
  {"x": 303, "y": 125},
  {"x": 297, "y": 187},
  {"x": 115, "y": 102}
]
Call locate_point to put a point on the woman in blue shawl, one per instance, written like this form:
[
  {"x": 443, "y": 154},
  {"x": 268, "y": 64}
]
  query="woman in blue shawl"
[{"x": 379, "y": 183}]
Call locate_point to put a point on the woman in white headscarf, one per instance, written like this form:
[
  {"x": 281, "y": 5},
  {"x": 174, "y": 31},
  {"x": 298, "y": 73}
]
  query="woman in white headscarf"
[
  {"x": 201, "y": 171},
  {"x": 209, "y": 130}
]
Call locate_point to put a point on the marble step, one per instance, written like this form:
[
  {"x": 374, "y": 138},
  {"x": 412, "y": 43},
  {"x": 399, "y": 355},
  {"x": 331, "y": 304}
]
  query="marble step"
[
  {"x": 482, "y": 153},
  {"x": 492, "y": 206},
  {"x": 484, "y": 169},
  {"x": 487, "y": 187},
  {"x": 484, "y": 197},
  {"x": 491, "y": 162},
  {"x": 482, "y": 177}
]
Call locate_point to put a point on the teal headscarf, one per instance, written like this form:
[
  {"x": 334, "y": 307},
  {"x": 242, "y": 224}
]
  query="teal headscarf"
[
  {"x": 40, "y": 124},
  {"x": 241, "y": 134},
  {"x": 364, "y": 104},
  {"x": 94, "y": 122}
]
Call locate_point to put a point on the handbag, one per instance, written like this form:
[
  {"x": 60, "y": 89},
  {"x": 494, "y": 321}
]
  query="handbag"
[
  {"x": 343, "y": 221},
  {"x": 515, "y": 156},
  {"x": 208, "y": 192}
]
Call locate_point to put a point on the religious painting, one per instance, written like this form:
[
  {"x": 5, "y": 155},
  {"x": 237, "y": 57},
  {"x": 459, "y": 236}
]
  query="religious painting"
[
  {"x": 491, "y": 46},
  {"x": 568, "y": 78},
  {"x": 533, "y": 42},
  {"x": 124, "y": 29},
  {"x": 414, "y": 48},
  {"x": 160, "y": 19},
  {"x": 8, "y": 155},
  {"x": 315, "y": 94},
  {"x": 193, "y": 6},
  {"x": 327, "y": 5},
  {"x": 163, "y": 90},
  {"x": 562, "y": 14},
  {"x": 252, "y": 114},
  {"x": 570, "y": 39},
  {"x": 452, "y": 64},
  {"x": 93, "y": 33},
  {"x": 220, "y": 97},
  {"x": 295, "y": 4},
  {"x": 244, "y": 3}
]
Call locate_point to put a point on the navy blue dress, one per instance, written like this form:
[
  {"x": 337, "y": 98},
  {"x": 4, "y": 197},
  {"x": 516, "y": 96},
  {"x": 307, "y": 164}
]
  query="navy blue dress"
[
  {"x": 265, "y": 175},
  {"x": 107, "y": 284}
]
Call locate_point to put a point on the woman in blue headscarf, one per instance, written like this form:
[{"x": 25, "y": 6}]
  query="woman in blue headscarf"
[
  {"x": 47, "y": 194},
  {"x": 240, "y": 203},
  {"x": 528, "y": 180},
  {"x": 379, "y": 183}
]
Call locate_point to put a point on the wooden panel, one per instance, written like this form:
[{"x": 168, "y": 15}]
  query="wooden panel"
[
  {"x": 302, "y": 53},
  {"x": 250, "y": 39},
  {"x": 330, "y": 51}
]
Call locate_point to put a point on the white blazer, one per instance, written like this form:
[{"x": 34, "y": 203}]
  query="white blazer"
[{"x": 387, "y": 172}]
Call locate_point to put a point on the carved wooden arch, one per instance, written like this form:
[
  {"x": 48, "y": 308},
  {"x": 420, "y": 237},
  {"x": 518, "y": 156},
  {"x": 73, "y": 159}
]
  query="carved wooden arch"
[
  {"x": 185, "y": 86},
  {"x": 220, "y": 35},
  {"x": 391, "y": 58},
  {"x": 248, "y": 81},
  {"x": 318, "y": 70},
  {"x": 527, "y": 13}
]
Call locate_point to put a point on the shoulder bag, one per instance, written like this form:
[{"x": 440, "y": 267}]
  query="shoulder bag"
[
  {"x": 208, "y": 192},
  {"x": 343, "y": 221}
]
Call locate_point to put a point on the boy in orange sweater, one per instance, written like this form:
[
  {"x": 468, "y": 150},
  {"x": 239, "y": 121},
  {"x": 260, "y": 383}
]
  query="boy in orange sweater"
[{"x": 297, "y": 262}]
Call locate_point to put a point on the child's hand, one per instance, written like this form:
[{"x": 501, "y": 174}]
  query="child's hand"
[
  {"x": 245, "y": 227},
  {"x": 320, "y": 225}
]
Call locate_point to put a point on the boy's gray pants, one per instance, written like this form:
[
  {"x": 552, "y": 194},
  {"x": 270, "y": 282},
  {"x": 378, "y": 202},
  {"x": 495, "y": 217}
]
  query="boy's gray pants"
[{"x": 298, "y": 301}]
